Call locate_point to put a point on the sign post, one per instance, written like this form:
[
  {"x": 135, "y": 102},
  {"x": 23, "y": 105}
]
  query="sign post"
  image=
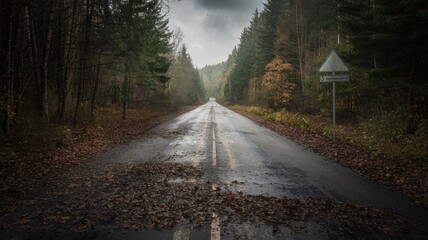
[
  {"x": 334, "y": 110},
  {"x": 332, "y": 65}
]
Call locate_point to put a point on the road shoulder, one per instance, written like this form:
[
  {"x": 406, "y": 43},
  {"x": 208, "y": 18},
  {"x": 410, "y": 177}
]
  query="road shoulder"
[{"x": 400, "y": 176}]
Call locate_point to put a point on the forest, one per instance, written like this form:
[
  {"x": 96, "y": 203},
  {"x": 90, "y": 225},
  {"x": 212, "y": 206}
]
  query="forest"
[
  {"x": 65, "y": 61},
  {"x": 61, "y": 61},
  {"x": 106, "y": 128},
  {"x": 383, "y": 43}
]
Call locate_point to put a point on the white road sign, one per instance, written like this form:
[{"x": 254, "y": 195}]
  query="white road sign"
[
  {"x": 338, "y": 78},
  {"x": 334, "y": 64}
]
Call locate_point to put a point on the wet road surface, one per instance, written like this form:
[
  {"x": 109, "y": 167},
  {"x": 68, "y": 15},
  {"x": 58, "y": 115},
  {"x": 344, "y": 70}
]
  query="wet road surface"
[{"x": 240, "y": 156}]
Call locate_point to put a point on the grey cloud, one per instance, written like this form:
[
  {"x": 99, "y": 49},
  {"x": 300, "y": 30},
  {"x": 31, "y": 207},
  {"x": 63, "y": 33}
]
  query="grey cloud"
[
  {"x": 219, "y": 22},
  {"x": 230, "y": 5},
  {"x": 211, "y": 27}
]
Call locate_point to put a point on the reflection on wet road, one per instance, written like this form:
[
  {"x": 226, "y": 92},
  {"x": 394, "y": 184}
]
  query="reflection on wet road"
[{"x": 238, "y": 155}]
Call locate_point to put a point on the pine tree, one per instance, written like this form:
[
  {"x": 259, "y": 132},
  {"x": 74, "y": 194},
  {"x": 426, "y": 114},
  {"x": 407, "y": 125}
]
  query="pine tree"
[
  {"x": 186, "y": 86},
  {"x": 389, "y": 39}
]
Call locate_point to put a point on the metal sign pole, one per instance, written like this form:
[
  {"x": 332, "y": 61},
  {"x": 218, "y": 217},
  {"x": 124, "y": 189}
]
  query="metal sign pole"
[
  {"x": 334, "y": 64},
  {"x": 334, "y": 108},
  {"x": 334, "y": 111}
]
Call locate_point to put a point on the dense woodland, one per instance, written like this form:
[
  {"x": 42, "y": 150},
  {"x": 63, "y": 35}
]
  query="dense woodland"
[
  {"x": 64, "y": 59},
  {"x": 211, "y": 75},
  {"x": 383, "y": 43},
  {"x": 61, "y": 60}
]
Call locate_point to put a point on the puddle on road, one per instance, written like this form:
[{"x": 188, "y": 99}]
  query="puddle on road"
[
  {"x": 181, "y": 180},
  {"x": 166, "y": 134}
]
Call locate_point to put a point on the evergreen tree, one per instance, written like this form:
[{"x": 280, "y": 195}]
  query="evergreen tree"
[
  {"x": 248, "y": 63},
  {"x": 211, "y": 76},
  {"x": 186, "y": 86},
  {"x": 389, "y": 39},
  {"x": 269, "y": 20},
  {"x": 225, "y": 88}
]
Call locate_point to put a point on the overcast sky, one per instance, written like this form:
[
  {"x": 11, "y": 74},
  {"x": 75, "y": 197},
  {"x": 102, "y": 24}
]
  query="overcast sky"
[{"x": 211, "y": 28}]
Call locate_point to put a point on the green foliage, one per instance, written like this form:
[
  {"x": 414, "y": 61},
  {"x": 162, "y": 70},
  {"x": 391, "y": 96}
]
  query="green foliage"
[
  {"x": 387, "y": 133},
  {"x": 143, "y": 38},
  {"x": 388, "y": 40},
  {"x": 279, "y": 31},
  {"x": 63, "y": 58},
  {"x": 246, "y": 58},
  {"x": 211, "y": 76},
  {"x": 186, "y": 85},
  {"x": 389, "y": 126},
  {"x": 383, "y": 44}
]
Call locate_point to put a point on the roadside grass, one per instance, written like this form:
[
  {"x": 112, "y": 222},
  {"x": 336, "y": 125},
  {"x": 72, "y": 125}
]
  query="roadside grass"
[{"x": 381, "y": 136}]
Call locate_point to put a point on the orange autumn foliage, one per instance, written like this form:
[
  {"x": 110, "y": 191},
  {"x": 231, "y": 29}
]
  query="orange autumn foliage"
[{"x": 277, "y": 82}]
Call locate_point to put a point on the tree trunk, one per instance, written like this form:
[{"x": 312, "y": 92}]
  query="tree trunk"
[
  {"x": 44, "y": 71},
  {"x": 300, "y": 41},
  {"x": 34, "y": 51},
  {"x": 95, "y": 89},
  {"x": 9, "y": 78},
  {"x": 60, "y": 60},
  {"x": 125, "y": 93},
  {"x": 70, "y": 54},
  {"x": 83, "y": 61},
  {"x": 411, "y": 119},
  {"x": 124, "y": 103}
]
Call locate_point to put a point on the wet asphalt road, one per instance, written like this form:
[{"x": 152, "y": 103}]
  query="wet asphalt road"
[{"x": 231, "y": 149}]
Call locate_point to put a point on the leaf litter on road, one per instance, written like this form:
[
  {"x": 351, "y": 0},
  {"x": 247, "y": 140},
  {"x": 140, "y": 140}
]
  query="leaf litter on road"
[
  {"x": 401, "y": 175},
  {"x": 142, "y": 197}
]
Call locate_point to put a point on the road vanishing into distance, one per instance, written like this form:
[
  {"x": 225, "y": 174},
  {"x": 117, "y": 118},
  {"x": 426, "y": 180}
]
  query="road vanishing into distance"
[
  {"x": 230, "y": 148},
  {"x": 243, "y": 170}
]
